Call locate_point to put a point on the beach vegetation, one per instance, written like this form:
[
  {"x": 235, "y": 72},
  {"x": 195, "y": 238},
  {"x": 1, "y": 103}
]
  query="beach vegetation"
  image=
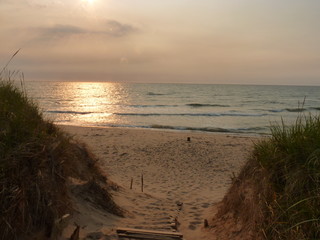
[
  {"x": 291, "y": 157},
  {"x": 277, "y": 193},
  {"x": 37, "y": 160}
]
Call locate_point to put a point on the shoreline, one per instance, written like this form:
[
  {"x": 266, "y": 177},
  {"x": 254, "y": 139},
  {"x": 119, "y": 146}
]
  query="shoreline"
[
  {"x": 183, "y": 179},
  {"x": 150, "y": 128}
]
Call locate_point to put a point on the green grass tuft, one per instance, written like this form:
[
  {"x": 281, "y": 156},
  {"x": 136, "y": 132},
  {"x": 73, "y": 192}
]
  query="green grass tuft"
[{"x": 292, "y": 159}]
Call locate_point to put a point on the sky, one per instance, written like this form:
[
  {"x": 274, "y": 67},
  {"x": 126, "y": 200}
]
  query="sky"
[{"x": 170, "y": 41}]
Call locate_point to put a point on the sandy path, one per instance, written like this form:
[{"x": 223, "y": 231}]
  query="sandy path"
[{"x": 182, "y": 179}]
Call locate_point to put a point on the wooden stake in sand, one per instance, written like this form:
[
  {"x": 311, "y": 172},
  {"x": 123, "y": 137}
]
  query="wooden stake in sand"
[
  {"x": 141, "y": 182},
  {"x": 131, "y": 183},
  {"x": 205, "y": 223}
]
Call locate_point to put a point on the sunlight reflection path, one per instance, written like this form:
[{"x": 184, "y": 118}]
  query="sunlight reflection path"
[{"x": 93, "y": 102}]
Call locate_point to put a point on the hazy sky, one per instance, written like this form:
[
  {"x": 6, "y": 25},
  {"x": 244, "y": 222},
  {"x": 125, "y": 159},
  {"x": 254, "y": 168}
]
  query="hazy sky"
[{"x": 192, "y": 41}]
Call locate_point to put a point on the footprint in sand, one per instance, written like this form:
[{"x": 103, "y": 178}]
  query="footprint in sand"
[
  {"x": 205, "y": 205},
  {"x": 197, "y": 214},
  {"x": 192, "y": 227},
  {"x": 195, "y": 223},
  {"x": 95, "y": 235},
  {"x": 139, "y": 213}
]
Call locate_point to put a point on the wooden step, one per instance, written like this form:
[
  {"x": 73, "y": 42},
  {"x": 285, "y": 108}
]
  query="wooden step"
[{"x": 131, "y": 233}]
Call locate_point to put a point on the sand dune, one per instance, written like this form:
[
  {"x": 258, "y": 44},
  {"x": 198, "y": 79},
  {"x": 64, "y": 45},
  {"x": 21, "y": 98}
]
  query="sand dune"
[{"x": 182, "y": 179}]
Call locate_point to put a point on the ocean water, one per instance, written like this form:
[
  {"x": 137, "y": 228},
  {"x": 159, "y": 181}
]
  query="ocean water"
[{"x": 210, "y": 108}]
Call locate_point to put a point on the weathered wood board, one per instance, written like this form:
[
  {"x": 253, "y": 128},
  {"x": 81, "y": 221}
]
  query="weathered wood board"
[{"x": 131, "y": 233}]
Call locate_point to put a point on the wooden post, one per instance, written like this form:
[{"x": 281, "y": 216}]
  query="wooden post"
[
  {"x": 188, "y": 139},
  {"x": 205, "y": 223},
  {"x": 131, "y": 183},
  {"x": 141, "y": 182}
]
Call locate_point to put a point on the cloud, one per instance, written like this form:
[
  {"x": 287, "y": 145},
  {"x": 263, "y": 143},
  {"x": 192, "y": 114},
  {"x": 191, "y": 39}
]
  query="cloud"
[
  {"x": 60, "y": 30},
  {"x": 29, "y": 3},
  {"x": 117, "y": 29},
  {"x": 112, "y": 29}
]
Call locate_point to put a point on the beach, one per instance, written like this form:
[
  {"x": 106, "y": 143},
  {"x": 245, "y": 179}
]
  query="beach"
[{"x": 184, "y": 175}]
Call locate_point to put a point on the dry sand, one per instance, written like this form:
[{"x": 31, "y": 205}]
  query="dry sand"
[{"x": 183, "y": 180}]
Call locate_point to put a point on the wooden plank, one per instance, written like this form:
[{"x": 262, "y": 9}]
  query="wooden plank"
[
  {"x": 148, "y": 234},
  {"x": 148, "y": 231},
  {"x": 141, "y": 236}
]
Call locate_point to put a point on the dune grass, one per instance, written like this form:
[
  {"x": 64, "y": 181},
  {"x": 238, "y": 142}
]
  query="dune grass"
[
  {"x": 32, "y": 180},
  {"x": 292, "y": 160},
  {"x": 36, "y": 161}
]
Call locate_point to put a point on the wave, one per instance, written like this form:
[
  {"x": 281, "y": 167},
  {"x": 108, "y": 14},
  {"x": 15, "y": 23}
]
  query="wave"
[
  {"x": 197, "y": 105},
  {"x": 295, "y": 109},
  {"x": 69, "y": 112},
  {"x": 292, "y": 110},
  {"x": 151, "y": 106},
  {"x": 155, "y": 94},
  {"x": 204, "y": 129},
  {"x": 252, "y": 130},
  {"x": 272, "y": 102},
  {"x": 192, "y": 114},
  {"x": 276, "y": 110},
  {"x": 214, "y": 129}
]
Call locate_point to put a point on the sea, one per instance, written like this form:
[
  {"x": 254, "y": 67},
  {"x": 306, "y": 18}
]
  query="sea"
[{"x": 244, "y": 109}]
